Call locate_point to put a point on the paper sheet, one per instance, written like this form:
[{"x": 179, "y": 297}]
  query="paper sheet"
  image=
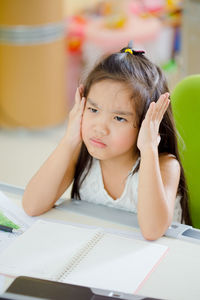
[{"x": 81, "y": 256}]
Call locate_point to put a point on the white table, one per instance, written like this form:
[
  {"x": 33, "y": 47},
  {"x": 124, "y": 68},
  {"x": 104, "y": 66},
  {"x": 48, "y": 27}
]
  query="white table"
[{"x": 175, "y": 278}]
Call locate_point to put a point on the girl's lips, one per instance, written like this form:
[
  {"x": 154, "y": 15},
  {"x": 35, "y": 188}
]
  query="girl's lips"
[{"x": 97, "y": 142}]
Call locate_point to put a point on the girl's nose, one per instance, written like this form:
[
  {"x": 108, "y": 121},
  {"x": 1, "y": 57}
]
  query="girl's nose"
[{"x": 101, "y": 129}]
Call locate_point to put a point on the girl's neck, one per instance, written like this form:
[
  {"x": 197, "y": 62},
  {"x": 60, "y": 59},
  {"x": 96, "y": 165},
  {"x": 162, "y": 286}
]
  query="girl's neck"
[{"x": 118, "y": 164}]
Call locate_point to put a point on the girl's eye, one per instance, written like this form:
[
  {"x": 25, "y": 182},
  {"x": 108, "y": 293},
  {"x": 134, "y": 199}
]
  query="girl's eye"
[
  {"x": 92, "y": 110},
  {"x": 119, "y": 119}
]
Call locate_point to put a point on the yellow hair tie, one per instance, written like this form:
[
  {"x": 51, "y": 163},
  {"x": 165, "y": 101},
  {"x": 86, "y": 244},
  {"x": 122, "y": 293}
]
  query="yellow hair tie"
[{"x": 129, "y": 50}]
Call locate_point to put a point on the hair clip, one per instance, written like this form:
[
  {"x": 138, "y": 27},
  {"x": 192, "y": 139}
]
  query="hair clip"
[
  {"x": 128, "y": 50},
  {"x": 138, "y": 52},
  {"x": 133, "y": 52}
]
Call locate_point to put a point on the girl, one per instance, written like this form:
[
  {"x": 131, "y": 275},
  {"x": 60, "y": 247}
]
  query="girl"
[{"x": 120, "y": 147}]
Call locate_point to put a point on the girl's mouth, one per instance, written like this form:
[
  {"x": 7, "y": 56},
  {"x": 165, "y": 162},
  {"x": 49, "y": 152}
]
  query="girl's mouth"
[{"x": 97, "y": 143}]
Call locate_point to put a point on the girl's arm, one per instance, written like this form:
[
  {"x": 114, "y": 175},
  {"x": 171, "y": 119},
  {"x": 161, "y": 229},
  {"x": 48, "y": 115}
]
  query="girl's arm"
[
  {"x": 158, "y": 176},
  {"x": 57, "y": 173}
]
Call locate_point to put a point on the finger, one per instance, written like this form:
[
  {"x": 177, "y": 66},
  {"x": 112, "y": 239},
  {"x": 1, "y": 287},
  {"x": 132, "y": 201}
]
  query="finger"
[
  {"x": 160, "y": 107},
  {"x": 81, "y": 89},
  {"x": 77, "y": 97},
  {"x": 150, "y": 111},
  {"x": 82, "y": 107},
  {"x": 165, "y": 106},
  {"x": 82, "y": 104},
  {"x": 81, "y": 86},
  {"x": 162, "y": 98},
  {"x": 163, "y": 109}
]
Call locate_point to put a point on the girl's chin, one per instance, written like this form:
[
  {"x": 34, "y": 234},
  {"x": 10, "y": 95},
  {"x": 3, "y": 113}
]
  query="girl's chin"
[{"x": 95, "y": 153}]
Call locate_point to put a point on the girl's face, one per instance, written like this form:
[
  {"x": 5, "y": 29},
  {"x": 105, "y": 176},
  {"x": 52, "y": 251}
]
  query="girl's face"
[{"x": 108, "y": 125}]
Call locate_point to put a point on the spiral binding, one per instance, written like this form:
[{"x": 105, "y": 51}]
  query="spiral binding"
[{"x": 79, "y": 256}]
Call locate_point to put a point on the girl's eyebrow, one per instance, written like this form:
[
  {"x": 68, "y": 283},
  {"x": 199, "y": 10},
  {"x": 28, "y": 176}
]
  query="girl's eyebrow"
[
  {"x": 92, "y": 103},
  {"x": 117, "y": 112}
]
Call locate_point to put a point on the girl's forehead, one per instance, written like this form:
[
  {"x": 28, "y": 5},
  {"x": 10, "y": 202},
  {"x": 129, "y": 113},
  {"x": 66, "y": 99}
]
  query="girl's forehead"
[
  {"x": 111, "y": 97},
  {"x": 111, "y": 92},
  {"x": 110, "y": 85}
]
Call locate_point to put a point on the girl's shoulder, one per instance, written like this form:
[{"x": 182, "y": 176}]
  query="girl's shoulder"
[
  {"x": 167, "y": 156},
  {"x": 169, "y": 162}
]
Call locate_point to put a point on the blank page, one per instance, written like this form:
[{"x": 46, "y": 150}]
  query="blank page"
[
  {"x": 117, "y": 263},
  {"x": 43, "y": 250}
]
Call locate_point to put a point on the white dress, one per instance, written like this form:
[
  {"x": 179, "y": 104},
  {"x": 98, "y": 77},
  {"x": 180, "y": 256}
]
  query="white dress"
[{"x": 92, "y": 190}]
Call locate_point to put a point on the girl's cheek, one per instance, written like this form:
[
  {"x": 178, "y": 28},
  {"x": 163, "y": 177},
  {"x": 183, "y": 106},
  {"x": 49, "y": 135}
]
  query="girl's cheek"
[
  {"x": 84, "y": 119},
  {"x": 126, "y": 139},
  {"x": 84, "y": 125}
]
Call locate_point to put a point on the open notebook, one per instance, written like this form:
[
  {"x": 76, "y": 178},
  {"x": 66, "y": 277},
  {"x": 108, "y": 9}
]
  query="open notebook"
[{"x": 82, "y": 256}]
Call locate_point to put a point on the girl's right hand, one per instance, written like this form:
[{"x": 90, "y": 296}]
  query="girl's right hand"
[{"x": 73, "y": 133}]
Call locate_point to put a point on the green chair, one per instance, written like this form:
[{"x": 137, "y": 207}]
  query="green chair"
[{"x": 185, "y": 100}]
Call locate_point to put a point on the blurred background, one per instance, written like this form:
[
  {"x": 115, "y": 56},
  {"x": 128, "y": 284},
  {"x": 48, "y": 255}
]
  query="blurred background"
[{"x": 47, "y": 45}]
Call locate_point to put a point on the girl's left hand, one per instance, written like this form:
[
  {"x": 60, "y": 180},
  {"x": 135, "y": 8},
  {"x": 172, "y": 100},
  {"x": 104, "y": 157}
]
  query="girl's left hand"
[{"x": 149, "y": 131}]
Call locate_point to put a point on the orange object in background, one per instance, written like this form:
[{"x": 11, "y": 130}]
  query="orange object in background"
[{"x": 32, "y": 63}]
